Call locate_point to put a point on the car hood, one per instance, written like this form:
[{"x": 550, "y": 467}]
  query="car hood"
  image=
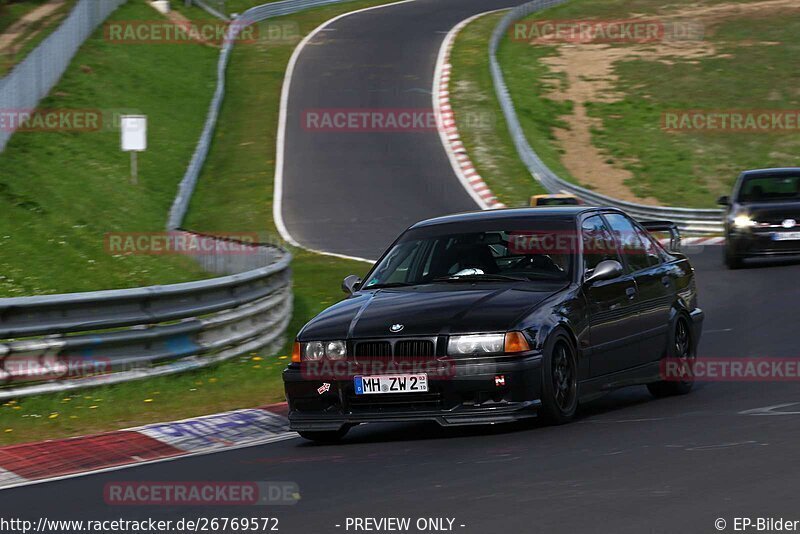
[{"x": 426, "y": 311}]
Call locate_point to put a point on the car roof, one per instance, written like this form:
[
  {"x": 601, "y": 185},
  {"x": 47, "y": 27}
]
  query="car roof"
[
  {"x": 778, "y": 171},
  {"x": 550, "y": 212}
]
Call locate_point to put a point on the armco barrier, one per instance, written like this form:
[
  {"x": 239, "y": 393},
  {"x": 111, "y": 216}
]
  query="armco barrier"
[
  {"x": 689, "y": 220},
  {"x": 252, "y": 16},
  {"x": 61, "y": 342},
  {"x": 33, "y": 77}
]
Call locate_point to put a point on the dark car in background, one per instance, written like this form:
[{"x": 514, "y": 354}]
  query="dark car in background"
[
  {"x": 762, "y": 215},
  {"x": 495, "y": 316}
]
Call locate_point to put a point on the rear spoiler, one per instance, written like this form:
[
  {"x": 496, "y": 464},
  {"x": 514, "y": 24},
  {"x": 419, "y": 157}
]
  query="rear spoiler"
[{"x": 665, "y": 226}]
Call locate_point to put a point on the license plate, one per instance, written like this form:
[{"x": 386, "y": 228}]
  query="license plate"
[
  {"x": 375, "y": 385},
  {"x": 786, "y": 236}
]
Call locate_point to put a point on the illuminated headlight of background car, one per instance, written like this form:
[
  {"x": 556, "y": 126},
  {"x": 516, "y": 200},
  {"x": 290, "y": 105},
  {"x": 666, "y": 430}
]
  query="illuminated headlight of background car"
[
  {"x": 314, "y": 351},
  {"x": 743, "y": 221},
  {"x": 487, "y": 344}
]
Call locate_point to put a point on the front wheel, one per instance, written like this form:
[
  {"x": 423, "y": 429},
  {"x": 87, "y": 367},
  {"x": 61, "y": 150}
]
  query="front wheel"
[
  {"x": 680, "y": 353},
  {"x": 559, "y": 381},
  {"x": 732, "y": 261}
]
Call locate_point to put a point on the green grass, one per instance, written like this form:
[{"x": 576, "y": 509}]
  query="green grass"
[
  {"x": 61, "y": 192},
  {"x": 33, "y": 34},
  {"x": 480, "y": 121},
  {"x": 11, "y": 12},
  {"x": 242, "y": 158},
  {"x": 676, "y": 169},
  {"x": 472, "y": 94}
]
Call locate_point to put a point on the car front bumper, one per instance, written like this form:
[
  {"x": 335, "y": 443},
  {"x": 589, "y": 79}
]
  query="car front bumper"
[
  {"x": 760, "y": 243},
  {"x": 473, "y": 395}
]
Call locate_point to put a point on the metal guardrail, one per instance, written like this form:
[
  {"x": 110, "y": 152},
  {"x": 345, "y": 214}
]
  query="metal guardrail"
[
  {"x": 252, "y": 16},
  {"x": 689, "y": 220},
  {"x": 31, "y": 80},
  {"x": 104, "y": 337},
  {"x": 210, "y": 10}
]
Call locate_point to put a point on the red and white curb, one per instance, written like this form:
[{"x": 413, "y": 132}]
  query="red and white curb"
[
  {"x": 702, "y": 241},
  {"x": 448, "y": 130},
  {"x": 31, "y": 463}
]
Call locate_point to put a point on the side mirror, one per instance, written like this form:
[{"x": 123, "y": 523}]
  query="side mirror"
[
  {"x": 350, "y": 284},
  {"x": 605, "y": 270},
  {"x": 724, "y": 201}
]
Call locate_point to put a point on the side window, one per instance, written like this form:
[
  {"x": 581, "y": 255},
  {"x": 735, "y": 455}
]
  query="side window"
[
  {"x": 598, "y": 244},
  {"x": 631, "y": 244},
  {"x": 653, "y": 251}
]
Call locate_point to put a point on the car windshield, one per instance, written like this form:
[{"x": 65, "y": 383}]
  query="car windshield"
[
  {"x": 775, "y": 188},
  {"x": 503, "y": 253}
]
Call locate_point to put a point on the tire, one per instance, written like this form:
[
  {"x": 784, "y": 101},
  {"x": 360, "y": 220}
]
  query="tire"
[
  {"x": 732, "y": 261},
  {"x": 325, "y": 436},
  {"x": 680, "y": 347},
  {"x": 559, "y": 381}
]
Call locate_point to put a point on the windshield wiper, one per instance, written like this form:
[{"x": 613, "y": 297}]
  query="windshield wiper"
[
  {"x": 481, "y": 278},
  {"x": 392, "y": 284}
]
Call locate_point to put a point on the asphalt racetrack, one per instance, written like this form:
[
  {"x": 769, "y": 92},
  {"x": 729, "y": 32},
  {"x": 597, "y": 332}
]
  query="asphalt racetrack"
[
  {"x": 353, "y": 193},
  {"x": 629, "y": 464}
]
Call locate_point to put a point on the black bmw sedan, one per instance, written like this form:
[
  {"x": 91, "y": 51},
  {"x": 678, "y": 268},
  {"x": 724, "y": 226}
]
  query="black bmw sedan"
[
  {"x": 762, "y": 215},
  {"x": 495, "y": 316}
]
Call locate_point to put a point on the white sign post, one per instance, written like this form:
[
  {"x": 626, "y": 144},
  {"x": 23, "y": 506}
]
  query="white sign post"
[{"x": 134, "y": 140}]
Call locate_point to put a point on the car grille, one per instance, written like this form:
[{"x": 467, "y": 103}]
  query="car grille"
[
  {"x": 416, "y": 348},
  {"x": 373, "y": 349},
  {"x": 397, "y": 350}
]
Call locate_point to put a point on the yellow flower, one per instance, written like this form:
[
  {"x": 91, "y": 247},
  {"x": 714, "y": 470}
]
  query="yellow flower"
[
  {"x": 93, "y": 407},
  {"x": 282, "y": 357},
  {"x": 17, "y": 407},
  {"x": 9, "y": 429},
  {"x": 53, "y": 415},
  {"x": 257, "y": 359},
  {"x": 212, "y": 380},
  {"x": 148, "y": 400}
]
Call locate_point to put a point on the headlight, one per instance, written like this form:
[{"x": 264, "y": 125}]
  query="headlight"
[
  {"x": 313, "y": 351},
  {"x": 336, "y": 350},
  {"x": 316, "y": 350},
  {"x": 743, "y": 221},
  {"x": 476, "y": 344}
]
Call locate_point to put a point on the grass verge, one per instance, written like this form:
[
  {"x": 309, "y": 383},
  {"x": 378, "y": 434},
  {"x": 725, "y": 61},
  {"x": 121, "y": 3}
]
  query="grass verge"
[
  {"x": 480, "y": 120},
  {"x": 33, "y": 33},
  {"x": 62, "y": 191},
  {"x": 733, "y": 66}
]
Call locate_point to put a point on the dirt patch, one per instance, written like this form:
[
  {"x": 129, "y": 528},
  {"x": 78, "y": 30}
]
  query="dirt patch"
[
  {"x": 588, "y": 73},
  {"x": 9, "y": 37}
]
